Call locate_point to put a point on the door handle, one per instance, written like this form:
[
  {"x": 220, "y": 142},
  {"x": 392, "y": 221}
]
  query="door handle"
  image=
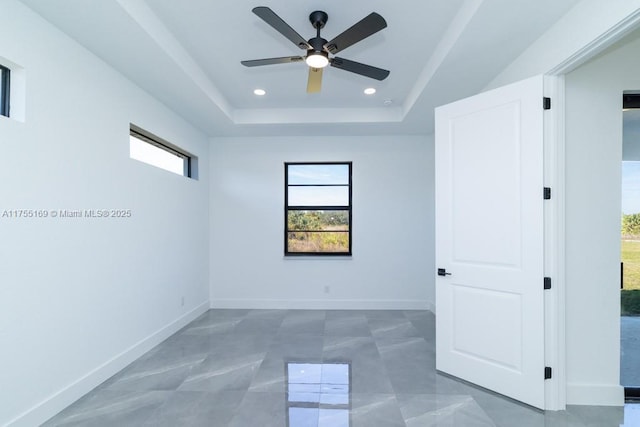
[{"x": 443, "y": 272}]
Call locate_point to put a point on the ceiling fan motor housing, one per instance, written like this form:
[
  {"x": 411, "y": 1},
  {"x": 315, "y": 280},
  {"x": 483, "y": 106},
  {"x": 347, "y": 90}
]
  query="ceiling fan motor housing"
[{"x": 317, "y": 43}]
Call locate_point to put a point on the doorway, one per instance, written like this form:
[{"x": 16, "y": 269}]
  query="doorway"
[{"x": 630, "y": 248}]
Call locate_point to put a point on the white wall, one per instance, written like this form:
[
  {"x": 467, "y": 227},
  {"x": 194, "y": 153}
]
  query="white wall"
[
  {"x": 589, "y": 27},
  {"x": 593, "y": 206},
  {"x": 393, "y": 225},
  {"x": 80, "y": 297}
]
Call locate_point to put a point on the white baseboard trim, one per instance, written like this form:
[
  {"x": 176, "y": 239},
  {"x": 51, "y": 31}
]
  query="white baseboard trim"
[
  {"x": 69, "y": 394},
  {"x": 595, "y": 394},
  {"x": 324, "y": 304}
]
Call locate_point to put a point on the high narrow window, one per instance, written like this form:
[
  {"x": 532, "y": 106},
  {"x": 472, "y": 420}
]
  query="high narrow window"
[
  {"x": 148, "y": 148},
  {"x": 5, "y": 90},
  {"x": 318, "y": 208}
]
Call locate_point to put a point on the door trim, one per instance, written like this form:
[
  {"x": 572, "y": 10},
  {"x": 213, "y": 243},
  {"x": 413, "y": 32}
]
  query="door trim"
[
  {"x": 554, "y": 231},
  {"x": 556, "y": 389},
  {"x": 598, "y": 45}
]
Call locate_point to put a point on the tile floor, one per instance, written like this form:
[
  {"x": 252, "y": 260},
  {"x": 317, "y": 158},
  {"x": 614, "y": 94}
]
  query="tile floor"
[
  {"x": 300, "y": 368},
  {"x": 630, "y": 351}
]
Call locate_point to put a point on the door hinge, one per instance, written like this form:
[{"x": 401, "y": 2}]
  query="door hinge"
[
  {"x": 547, "y": 283},
  {"x": 546, "y": 193},
  {"x": 547, "y": 372},
  {"x": 546, "y": 103}
]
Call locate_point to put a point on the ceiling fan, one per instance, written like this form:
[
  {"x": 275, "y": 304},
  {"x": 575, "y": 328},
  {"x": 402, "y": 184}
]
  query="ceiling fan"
[{"x": 318, "y": 49}]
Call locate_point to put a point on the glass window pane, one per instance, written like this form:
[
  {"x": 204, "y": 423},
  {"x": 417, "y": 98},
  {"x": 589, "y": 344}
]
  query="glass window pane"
[
  {"x": 318, "y": 241},
  {"x": 319, "y": 196},
  {"x": 156, "y": 156},
  {"x": 630, "y": 186},
  {"x": 318, "y": 174},
  {"x": 4, "y": 92},
  {"x": 318, "y": 220}
]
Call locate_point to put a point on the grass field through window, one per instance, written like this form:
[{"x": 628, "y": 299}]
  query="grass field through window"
[
  {"x": 631, "y": 260},
  {"x": 318, "y": 231},
  {"x": 630, "y": 295}
]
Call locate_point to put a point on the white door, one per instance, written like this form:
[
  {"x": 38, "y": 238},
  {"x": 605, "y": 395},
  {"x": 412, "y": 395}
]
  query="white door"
[{"x": 489, "y": 239}]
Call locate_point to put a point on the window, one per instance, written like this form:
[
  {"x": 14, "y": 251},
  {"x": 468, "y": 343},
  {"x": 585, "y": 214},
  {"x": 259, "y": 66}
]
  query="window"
[
  {"x": 5, "y": 81},
  {"x": 317, "y": 208},
  {"x": 12, "y": 90},
  {"x": 148, "y": 148}
]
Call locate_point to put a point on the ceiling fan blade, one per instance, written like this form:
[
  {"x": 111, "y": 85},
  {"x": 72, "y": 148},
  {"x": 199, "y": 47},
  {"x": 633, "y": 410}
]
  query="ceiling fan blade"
[
  {"x": 369, "y": 25},
  {"x": 271, "y": 61},
  {"x": 270, "y": 17},
  {"x": 358, "y": 68},
  {"x": 314, "y": 84}
]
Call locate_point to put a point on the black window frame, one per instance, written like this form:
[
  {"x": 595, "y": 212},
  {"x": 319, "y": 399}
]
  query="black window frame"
[
  {"x": 5, "y": 86},
  {"x": 287, "y": 208},
  {"x": 158, "y": 142}
]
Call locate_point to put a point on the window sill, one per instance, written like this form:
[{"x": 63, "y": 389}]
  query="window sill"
[{"x": 318, "y": 257}]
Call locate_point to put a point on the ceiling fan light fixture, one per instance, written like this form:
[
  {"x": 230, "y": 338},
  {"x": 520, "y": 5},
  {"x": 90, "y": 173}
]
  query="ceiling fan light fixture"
[
  {"x": 370, "y": 91},
  {"x": 317, "y": 60},
  {"x": 259, "y": 92},
  {"x": 318, "y": 49}
]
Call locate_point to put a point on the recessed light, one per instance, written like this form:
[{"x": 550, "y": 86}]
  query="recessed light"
[
  {"x": 259, "y": 92},
  {"x": 369, "y": 91}
]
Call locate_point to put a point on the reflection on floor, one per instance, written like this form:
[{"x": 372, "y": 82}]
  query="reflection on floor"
[
  {"x": 300, "y": 368},
  {"x": 318, "y": 391},
  {"x": 630, "y": 351}
]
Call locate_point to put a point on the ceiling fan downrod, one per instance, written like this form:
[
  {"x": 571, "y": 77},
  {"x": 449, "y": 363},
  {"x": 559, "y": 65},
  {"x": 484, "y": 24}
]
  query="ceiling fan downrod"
[{"x": 318, "y": 20}]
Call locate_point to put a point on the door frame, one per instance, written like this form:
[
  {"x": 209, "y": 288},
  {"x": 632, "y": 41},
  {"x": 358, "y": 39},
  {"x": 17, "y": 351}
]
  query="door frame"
[
  {"x": 554, "y": 244},
  {"x": 554, "y": 215}
]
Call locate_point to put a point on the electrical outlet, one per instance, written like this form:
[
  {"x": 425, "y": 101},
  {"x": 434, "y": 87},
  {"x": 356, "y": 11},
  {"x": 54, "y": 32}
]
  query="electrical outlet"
[{"x": 327, "y": 289}]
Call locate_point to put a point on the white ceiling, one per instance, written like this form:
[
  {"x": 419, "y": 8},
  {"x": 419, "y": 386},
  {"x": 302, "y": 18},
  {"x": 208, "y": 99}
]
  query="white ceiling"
[{"x": 187, "y": 54}]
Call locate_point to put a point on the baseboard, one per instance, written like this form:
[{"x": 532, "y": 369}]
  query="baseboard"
[
  {"x": 595, "y": 394},
  {"x": 325, "y": 304},
  {"x": 431, "y": 307},
  {"x": 65, "y": 397}
]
